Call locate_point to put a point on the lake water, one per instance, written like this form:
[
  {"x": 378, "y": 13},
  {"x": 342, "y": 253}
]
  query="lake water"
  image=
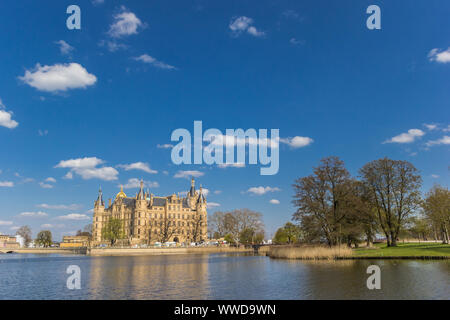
[{"x": 217, "y": 276}]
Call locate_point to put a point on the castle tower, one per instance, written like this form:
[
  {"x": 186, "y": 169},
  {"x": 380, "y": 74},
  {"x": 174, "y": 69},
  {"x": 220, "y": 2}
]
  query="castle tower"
[{"x": 99, "y": 203}]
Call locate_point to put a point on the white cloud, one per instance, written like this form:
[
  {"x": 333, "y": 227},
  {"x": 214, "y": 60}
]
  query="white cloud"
[
  {"x": 446, "y": 129},
  {"x": 68, "y": 175},
  {"x": 233, "y": 165},
  {"x": 438, "y": 55},
  {"x": 408, "y": 137},
  {"x": 58, "y": 77},
  {"x": 254, "y": 32},
  {"x": 42, "y": 132},
  {"x": 125, "y": 23},
  {"x": 74, "y": 216},
  {"x": 59, "y": 206},
  {"x": 430, "y": 126},
  {"x": 112, "y": 46},
  {"x": 210, "y": 205},
  {"x": 145, "y": 58},
  {"x": 50, "y": 179},
  {"x": 45, "y": 185},
  {"x": 205, "y": 191},
  {"x": 5, "y": 223},
  {"x": 435, "y": 176},
  {"x": 165, "y": 146},
  {"x": 38, "y": 214},
  {"x": 296, "y": 42},
  {"x": 188, "y": 174},
  {"x": 444, "y": 140},
  {"x": 274, "y": 201},
  {"x": 297, "y": 141},
  {"x": 87, "y": 169},
  {"x": 262, "y": 190},
  {"x": 218, "y": 192},
  {"x": 232, "y": 141},
  {"x": 137, "y": 166},
  {"x": 64, "y": 47},
  {"x": 8, "y": 184},
  {"x": 242, "y": 24},
  {"x": 6, "y": 117},
  {"x": 291, "y": 14},
  {"x": 136, "y": 183},
  {"x": 46, "y": 225}
]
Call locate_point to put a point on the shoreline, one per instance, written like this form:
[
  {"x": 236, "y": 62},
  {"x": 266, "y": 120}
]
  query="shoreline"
[{"x": 127, "y": 251}]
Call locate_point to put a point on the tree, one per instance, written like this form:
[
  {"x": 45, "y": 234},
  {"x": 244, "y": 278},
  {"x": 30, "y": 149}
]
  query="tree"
[
  {"x": 250, "y": 236},
  {"x": 196, "y": 226},
  {"x": 232, "y": 223},
  {"x": 113, "y": 230},
  {"x": 216, "y": 224},
  {"x": 87, "y": 231},
  {"x": 25, "y": 232},
  {"x": 393, "y": 187},
  {"x": 288, "y": 234},
  {"x": 44, "y": 238},
  {"x": 280, "y": 236},
  {"x": 322, "y": 200},
  {"x": 420, "y": 228},
  {"x": 437, "y": 208},
  {"x": 229, "y": 238}
]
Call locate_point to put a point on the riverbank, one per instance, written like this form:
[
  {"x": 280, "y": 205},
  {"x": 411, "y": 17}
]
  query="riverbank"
[
  {"x": 81, "y": 250},
  {"x": 133, "y": 251},
  {"x": 161, "y": 251},
  {"x": 418, "y": 251}
]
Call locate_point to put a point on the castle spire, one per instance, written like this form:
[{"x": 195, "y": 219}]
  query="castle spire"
[
  {"x": 100, "y": 197},
  {"x": 141, "y": 195},
  {"x": 192, "y": 190}
]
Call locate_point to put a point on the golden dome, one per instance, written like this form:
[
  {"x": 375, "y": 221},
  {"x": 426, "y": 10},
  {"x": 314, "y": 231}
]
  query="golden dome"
[{"x": 121, "y": 194}]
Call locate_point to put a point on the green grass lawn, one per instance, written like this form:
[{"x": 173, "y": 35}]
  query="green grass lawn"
[{"x": 405, "y": 249}]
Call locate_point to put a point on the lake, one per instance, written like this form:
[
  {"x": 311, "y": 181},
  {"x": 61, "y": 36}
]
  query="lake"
[{"x": 217, "y": 276}]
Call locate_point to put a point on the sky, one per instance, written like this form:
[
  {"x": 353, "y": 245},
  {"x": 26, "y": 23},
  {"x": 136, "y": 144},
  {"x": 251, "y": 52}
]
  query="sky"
[{"x": 96, "y": 107}]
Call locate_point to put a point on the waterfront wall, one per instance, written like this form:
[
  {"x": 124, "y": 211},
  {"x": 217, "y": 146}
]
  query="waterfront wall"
[
  {"x": 159, "y": 251},
  {"x": 80, "y": 250}
]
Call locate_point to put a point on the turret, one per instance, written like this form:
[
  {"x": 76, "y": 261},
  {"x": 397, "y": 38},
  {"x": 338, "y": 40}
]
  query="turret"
[
  {"x": 192, "y": 191},
  {"x": 141, "y": 194},
  {"x": 99, "y": 202},
  {"x": 201, "y": 201},
  {"x": 141, "y": 200}
]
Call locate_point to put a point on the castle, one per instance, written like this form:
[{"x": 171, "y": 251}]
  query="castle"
[{"x": 147, "y": 219}]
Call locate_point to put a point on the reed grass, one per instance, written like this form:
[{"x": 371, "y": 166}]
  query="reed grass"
[{"x": 309, "y": 252}]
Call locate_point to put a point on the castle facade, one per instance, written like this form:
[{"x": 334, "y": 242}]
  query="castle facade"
[{"x": 146, "y": 219}]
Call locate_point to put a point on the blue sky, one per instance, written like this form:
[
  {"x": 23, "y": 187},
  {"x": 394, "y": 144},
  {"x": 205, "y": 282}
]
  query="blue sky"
[{"x": 137, "y": 70}]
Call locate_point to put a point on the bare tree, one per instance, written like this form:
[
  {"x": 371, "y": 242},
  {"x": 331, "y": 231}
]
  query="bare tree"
[
  {"x": 394, "y": 193},
  {"x": 323, "y": 200},
  {"x": 437, "y": 210},
  {"x": 196, "y": 227},
  {"x": 25, "y": 232}
]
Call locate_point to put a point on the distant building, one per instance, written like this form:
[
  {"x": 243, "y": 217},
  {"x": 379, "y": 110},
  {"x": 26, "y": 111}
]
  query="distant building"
[
  {"x": 147, "y": 219},
  {"x": 74, "y": 241},
  {"x": 8, "y": 242}
]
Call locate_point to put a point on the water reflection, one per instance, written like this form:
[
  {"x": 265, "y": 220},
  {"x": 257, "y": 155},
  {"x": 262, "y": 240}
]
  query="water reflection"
[
  {"x": 219, "y": 276},
  {"x": 140, "y": 277}
]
